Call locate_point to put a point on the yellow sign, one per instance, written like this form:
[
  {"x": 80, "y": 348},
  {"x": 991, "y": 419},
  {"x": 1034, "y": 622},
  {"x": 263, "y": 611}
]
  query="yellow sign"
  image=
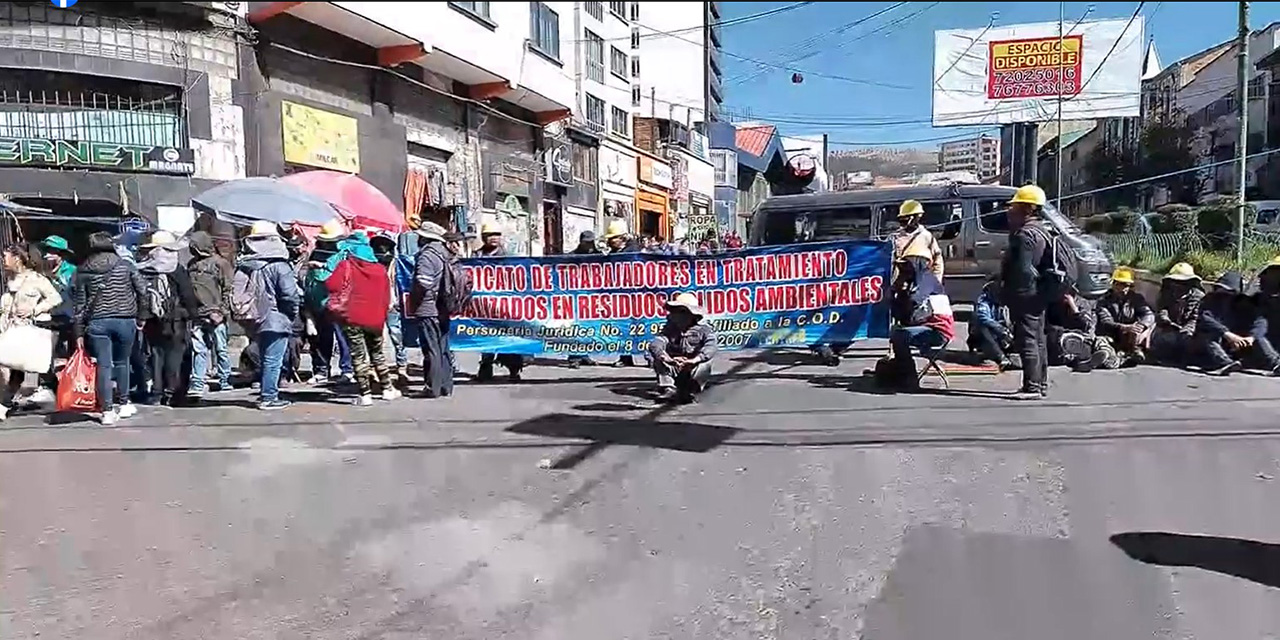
[{"x": 317, "y": 138}]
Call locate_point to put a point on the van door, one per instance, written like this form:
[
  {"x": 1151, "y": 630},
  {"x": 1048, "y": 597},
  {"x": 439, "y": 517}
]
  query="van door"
[{"x": 990, "y": 233}]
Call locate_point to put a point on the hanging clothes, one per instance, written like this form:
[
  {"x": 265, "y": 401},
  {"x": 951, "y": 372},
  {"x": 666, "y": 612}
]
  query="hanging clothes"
[{"x": 415, "y": 186}]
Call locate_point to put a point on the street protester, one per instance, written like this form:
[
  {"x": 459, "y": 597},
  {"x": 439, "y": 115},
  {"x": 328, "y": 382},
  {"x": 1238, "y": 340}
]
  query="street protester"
[
  {"x": 428, "y": 308},
  {"x": 618, "y": 240},
  {"x": 211, "y": 276},
  {"x": 1021, "y": 275},
  {"x": 681, "y": 354},
  {"x": 171, "y": 307},
  {"x": 110, "y": 299},
  {"x": 29, "y": 299},
  {"x": 922, "y": 316},
  {"x": 60, "y": 268},
  {"x": 990, "y": 332},
  {"x": 1225, "y": 328},
  {"x": 359, "y": 300},
  {"x": 266, "y": 301},
  {"x": 1071, "y": 324},
  {"x": 913, "y": 236},
  {"x": 493, "y": 246},
  {"x": 326, "y": 336},
  {"x": 586, "y": 247},
  {"x": 1125, "y": 318},
  {"x": 1177, "y": 307},
  {"x": 1266, "y": 303},
  {"x": 384, "y": 250}
]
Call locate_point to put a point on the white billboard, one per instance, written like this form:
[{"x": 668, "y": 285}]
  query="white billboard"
[{"x": 1016, "y": 74}]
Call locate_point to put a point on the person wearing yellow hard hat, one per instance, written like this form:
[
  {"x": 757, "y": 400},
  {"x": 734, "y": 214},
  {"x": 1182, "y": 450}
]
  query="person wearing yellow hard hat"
[
  {"x": 1266, "y": 304},
  {"x": 618, "y": 239},
  {"x": 325, "y": 256},
  {"x": 913, "y": 236},
  {"x": 1177, "y": 307},
  {"x": 681, "y": 353},
  {"x": 1126, "y": 319},
  {"x": 1022, "y": 273},
  {"x": 1225, "y": 333},
  {"x": 492, "y": 242}
]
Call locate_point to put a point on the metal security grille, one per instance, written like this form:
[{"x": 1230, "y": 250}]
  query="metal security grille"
[{"x": 66, "y": 106}]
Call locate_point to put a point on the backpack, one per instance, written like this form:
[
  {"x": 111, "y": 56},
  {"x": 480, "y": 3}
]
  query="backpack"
[
  {"x": 249, "y": 296},
  {"x": 1059, "y": 270},
  {"x": 359, "y": 293},
  {"x": 455, "y": 285},
  {"x": 160, "y": 298}
]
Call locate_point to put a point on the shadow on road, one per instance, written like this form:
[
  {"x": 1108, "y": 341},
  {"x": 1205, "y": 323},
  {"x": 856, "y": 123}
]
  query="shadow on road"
[
  {"x": 1249, "y": 559},
  {"x": 640, "y": 432}
]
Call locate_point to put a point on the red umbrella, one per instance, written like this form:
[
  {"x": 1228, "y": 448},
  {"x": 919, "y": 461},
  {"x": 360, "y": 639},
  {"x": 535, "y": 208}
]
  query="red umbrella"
[{"x": 361, "y": 203}]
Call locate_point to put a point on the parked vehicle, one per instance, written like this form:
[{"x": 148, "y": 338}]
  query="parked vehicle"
[{"x": 969, "y": 222}]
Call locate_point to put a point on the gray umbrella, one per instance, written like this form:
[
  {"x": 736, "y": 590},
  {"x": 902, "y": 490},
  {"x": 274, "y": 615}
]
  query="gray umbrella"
[{"x": 248, "y": 200}]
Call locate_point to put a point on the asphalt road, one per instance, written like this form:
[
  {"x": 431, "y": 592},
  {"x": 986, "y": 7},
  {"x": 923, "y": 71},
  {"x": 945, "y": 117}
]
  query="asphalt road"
[{"x": 793, "y": 502}]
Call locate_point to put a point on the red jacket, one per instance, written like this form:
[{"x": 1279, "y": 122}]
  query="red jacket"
[{"x": 359, "y": 293}]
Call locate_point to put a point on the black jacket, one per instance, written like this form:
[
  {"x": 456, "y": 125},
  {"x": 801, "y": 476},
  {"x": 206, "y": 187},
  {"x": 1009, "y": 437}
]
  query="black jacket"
[
  {"x": 1020, "y": 270},
  {"x": 107, "y": 286}
]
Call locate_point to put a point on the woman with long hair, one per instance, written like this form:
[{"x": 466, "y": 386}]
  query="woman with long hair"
[
  {"x": 110, "y": 302},
  {"x": 29, "y": 296}
]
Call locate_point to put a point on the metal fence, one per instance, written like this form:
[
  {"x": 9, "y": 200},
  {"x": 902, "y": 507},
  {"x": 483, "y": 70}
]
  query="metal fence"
[{"x": 1150, "y": 248}]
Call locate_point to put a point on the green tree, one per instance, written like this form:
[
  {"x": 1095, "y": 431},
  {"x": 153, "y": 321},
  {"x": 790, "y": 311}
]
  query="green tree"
[
  {"x": 1111, "y": 165},
  {"x": 1166, "y": 148}
]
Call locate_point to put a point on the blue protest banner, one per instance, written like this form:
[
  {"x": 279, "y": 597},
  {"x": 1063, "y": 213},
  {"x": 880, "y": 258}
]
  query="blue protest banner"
[{"x": 795, "y": 295}]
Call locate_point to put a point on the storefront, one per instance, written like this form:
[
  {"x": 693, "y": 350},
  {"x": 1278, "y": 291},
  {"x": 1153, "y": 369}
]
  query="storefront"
[
  {"x": 618, "y": 183},
  {"x": 582, "y": 200},
  {"x": 653, "y": 197},
  {"x": 558, "y": 180}
]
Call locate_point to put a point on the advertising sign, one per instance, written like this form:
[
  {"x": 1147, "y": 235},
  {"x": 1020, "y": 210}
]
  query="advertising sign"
[
  {"x": 655, "y": 173},
  {"x": 559, "y": 160},
  {"x": 790, "y": 296},
  {"x": 103, "y": 156},
  {"x": 318, "y": 138},
  {"x": 1020, "y": 73}
]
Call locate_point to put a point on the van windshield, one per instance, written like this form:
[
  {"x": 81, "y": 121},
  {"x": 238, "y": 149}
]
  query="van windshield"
[{"x": 817, "y": 225}]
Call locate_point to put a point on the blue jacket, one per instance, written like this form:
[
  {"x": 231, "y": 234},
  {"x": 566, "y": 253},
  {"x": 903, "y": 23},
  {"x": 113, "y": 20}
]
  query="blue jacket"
[{"x": 987, "y": 312}]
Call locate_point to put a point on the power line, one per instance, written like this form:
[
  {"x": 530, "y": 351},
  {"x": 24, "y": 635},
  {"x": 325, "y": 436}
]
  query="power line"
[{"x": 1137, "y": 10}]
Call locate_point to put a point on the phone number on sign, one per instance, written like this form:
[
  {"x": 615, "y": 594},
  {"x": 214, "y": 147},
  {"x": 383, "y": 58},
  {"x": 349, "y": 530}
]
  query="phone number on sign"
[
  {"x": 1033, "y": 75},
  {"x": 1033, "y": 89}
]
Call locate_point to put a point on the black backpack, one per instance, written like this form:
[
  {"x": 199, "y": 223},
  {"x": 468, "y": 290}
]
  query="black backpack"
[
  {"x": 455, "y": 285},
  {"x": 1059, "y": 269},
  {"x": 161, "y": 300}
]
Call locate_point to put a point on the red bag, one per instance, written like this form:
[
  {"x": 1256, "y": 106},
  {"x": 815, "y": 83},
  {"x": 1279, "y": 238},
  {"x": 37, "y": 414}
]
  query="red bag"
[
  {"x": 78, "y": 384},
  {"x": 360, "y": 293}
]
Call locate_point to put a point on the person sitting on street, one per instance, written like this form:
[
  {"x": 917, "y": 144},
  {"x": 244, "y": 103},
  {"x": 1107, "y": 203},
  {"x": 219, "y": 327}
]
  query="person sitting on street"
[
  {"x": 990, "y": 333},
  {"x": 681, "y": 354},
  {"x": 1070, "y": 328},
  {"x": 1177, "y": 308},
  {"x": 1125, "y": 318},
  {"x": 922, "y": 312},
  {"x": 1266, "y": 303},
  {"x": 1225, "y": 328},
  {"x": 359, "y": 300}
]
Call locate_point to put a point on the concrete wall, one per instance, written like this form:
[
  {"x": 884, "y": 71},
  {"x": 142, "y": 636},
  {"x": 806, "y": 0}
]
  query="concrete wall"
[
  {"x": 615, "y": 91},
  {"x": 673, "y": 73}
]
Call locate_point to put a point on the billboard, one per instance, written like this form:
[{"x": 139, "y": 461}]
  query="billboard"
[{"x": 1016, "y": 74}]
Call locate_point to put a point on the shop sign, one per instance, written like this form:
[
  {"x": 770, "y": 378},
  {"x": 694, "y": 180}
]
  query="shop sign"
[
  {"x": 318, "y": 138},
  {"x": 107, "y": 156},
  {"x": 559, "y": 161},
  {"x": 655, "y": 173},
  {"x": 698, "y": 146}
]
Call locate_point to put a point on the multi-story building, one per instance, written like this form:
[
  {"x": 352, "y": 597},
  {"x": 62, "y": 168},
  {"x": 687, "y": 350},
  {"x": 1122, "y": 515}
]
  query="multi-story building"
[
  {"x": 979, "y": 155},
  {"x": 451, "y": 95}
]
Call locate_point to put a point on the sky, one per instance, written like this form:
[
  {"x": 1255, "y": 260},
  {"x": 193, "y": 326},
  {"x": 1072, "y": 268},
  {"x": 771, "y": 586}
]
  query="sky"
[{"x": 884, "y": 65}]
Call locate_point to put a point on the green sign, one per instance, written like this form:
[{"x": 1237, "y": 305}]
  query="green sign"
[{"x": 73, "y": 154}]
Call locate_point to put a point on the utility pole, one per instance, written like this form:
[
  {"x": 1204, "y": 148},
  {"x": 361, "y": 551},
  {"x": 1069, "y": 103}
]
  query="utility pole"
[
  {"x": 1242, "y": 137},
  {"x": 1062, "y": 18}
]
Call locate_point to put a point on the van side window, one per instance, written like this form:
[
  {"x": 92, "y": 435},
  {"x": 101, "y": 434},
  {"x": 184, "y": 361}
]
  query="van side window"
[
  {"x": 944, "y": 219},
  {"x": 845, "y": 223},
  {"x": 993, "y": 215}
]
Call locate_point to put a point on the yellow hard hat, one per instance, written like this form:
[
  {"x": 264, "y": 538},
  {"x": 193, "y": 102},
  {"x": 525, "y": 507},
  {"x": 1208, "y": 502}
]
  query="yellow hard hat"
[
  {"x": 616, "y": 228},
  {"x": 332, "y": 230},
  {"x": 1275, "y": 262},
  {"x": 264, "y": 228},
  {"x": 1123, "y": 275},
  {"x": 1181, "y": 271},
  {"x": 489, "y": 229},
  {"x": 1029, "y": 194},
  {"x": 910, "y": 208}
]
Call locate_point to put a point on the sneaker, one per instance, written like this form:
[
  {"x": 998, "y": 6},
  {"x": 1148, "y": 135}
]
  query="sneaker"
[
  {"x": 1029, "y": 394},
  {"x": 1225, "y": 371},
  {"x": 128, "y": 410},
  {"x": 575, "y": 364},
  {"x": 514, "y": 376},
  {"x": 365, "y": 400},
  {"x": 39, "y": 396},
  {"x": 272, "y": 405},
  {"x": 4, "y": 413},
  {"x": 347, "y": 378},
  {"x": 667, "y": 394},
  {"x": 1097, "y": 359},
  {"x": 391, "y": 393},
  {"x": 109, "y": 417},
  {"x": 316, "y": 380},
  {"x": 1074, "y": 347}
]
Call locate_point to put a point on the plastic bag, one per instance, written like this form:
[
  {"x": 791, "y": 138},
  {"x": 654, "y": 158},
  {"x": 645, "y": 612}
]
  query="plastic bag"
[
  {"x": 77, "y": 384},
  {"x": 26, "y": 348}
]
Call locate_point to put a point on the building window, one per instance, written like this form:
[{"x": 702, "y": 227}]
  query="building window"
[
  {"x": 595, "y": 112},
  {"x": 725, "y": 162},
  {"x": 595, "y": 56},
  {"x": 635, "y": 38},
  {"x": 618, "y": 62},
  {"x": 635, "y": 95},
  {"x": 544, "y": 29},
  {"x": 621, "y": 124},
  {"x": 585, "y": 162},
  {"x": 635, "y": 12},
  {"x": 479, "y": 9},
  {"x": 595, "y": 10},
  {"x": 619, "y": 9},
  {"x": 635, "y": 67}
]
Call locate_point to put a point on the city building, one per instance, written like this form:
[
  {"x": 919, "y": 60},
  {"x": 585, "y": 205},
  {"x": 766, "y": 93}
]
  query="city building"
[
  {"x": 1078, "y": 144},
  {"x": 680, "y": 58},
  {"x": 455, "y": 95},
  {"x": 118, "y": 114},
  {"x": 979, "y": 155}
]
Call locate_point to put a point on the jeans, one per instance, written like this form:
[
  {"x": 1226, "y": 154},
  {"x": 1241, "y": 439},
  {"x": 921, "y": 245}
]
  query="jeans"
[
  {"x": 437, "y": 363},
  {"x": 327, "y": 334},
  {"x": 396, "y": 331},
  {"x": 689, "y": 380},
  {"x": 926, "y": 339},
  {"x": 271, "y": 350},
  {"x": 140, "y": 367},
  {"x": 987, "y": 341},
  {"x": 209, "y": 340},
  {"x": 110, "y": 342}
]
